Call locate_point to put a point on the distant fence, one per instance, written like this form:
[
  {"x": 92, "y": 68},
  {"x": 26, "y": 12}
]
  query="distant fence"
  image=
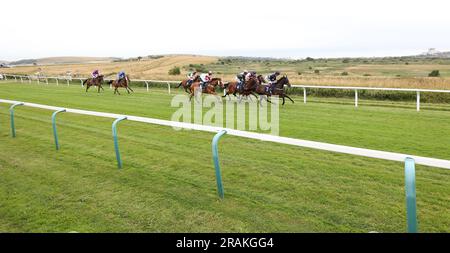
[
  {"x": 38, "y": 79},
  {"x": 67, "y": 80},
  {"x": 409, "y": 160}
]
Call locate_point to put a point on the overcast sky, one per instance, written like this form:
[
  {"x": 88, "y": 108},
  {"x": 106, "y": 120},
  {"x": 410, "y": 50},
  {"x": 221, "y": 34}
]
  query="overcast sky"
[{"x": 277, "y": 28}]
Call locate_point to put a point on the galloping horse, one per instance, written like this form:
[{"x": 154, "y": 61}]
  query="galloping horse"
[
  {"x": 124, "y": 82},
  {"x": 278, "y": 89},
  {"x": 248, "y": 86},
  {"x": 185, "y": 84},
  {"x": 94, "y": 82},
  {"x": 210, "y": 88}
]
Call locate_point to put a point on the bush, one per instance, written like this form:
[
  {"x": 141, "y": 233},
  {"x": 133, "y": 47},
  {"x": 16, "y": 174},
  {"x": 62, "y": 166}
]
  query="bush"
[
  {"x": 434, "y": 73},
  {"x": 174, "y": 71},
  {"x": 299, "y": 73},
  {"x": 345, "y": 73},
  {"x": 367, "y": 75},
  {"x": 309, "y": 59},
  {"x": 317, "y": 71},
  {"x": 346, "y": 61},
  {"x": 309, "y": 67}
]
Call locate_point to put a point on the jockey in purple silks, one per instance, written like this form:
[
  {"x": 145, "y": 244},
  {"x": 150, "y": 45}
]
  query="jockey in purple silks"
[{"x": 95, "y": 73}]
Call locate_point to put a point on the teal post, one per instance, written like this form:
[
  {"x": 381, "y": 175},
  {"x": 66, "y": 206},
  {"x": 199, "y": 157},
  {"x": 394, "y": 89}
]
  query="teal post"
[
  {"x": 216, "y": 162},
  {"x": 410, "y": 188},
  {"x": 55, "y": 133},
  {"x": 116, "y": 143},
  {"x": 11, "y": 111}
]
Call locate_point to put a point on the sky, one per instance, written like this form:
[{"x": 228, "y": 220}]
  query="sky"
[{"x": 276, "y": 28}]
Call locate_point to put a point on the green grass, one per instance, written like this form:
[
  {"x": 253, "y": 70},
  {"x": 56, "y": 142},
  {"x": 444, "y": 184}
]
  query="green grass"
[{"x": 168, "y": 183}]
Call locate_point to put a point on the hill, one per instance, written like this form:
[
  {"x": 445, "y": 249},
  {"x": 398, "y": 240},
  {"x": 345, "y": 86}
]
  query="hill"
[{"x": 62, "y": 60}]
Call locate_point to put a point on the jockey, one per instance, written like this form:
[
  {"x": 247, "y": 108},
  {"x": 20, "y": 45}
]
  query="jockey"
[
  {"x": 95, "y": 74},
  {"x": 191, "y": 77},
  {"x": 121, "y": 75},
  {"x": 250, "y": 75},
  {"x": 272, "y": 79},
  {"x": 205, "y": 79},
  {"x": 241, "y": 78}
]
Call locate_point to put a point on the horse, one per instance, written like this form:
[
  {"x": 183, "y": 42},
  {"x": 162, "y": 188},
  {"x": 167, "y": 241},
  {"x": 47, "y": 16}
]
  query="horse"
[
  {"x": 123, "y": 82},
  {"x": 278, "y": 89},
  {"x": 94, "y": 82},
  {"x": 185, "y": 83},
  {"x": 231, "y": 87},
  {"x": 210, "y": 87}
]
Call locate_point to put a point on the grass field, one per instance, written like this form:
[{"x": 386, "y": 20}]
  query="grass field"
[{"x": 168, "y": 183}]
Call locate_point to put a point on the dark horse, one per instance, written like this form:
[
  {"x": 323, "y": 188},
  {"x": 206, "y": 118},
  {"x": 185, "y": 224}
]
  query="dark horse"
[
  {"x": 123, "y": 82},
  {"x": 185, "y": 83},
  {"x": 263, "y": 90},
  {"x": 94, "y": 82}
]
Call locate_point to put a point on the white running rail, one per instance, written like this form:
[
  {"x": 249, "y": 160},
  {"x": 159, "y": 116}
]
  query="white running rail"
[{"x": 433, "y": 162}]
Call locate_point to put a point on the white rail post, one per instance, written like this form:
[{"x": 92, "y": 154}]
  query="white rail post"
[
  {"x": 21, "y": 80},
  {"x": 5, "y": 77},
  {"x": 15, "y": 79},
  {"x": 56, "y": 81},
  {"x": 67, "y": 82},
  {"x": 81, "y": 82},
  {"x": 356, "y": 98},
  {"x": 46, "y": 80},
  {"x": 418, "y": 100},
  {"x": 38, "y": 81},
  {"x": 304, "y": 95},
  {"x": 168, "y": 86},
  {"x": 146, "y": 83},
  {"x": 29, "y": 79}
]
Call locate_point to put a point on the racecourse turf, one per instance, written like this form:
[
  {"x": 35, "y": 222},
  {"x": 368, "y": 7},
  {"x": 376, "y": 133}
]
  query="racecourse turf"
[{"x": 168, "y": 183}]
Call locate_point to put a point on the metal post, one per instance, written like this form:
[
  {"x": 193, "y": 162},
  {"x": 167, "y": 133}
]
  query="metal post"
[
  {"x": 21, "y": 80},
  {"x": 38, "y": 80},
  {"x": 116, "y": 144},
  {"x": 46, "y": 80},
  {"x": 418, "y": 101},
  {"x": 15, "y": 79},
  {"x": 146, "y": 83},
  {"x": 168, "y": 86},
  {"x": 29, "y": 79},
  {"x": 356, "y": 98},
  {"x": 55, "y": 133},
  {"x": 216, "y": 162},
  {"x": 81, "y": 81},
  {"x": 410, "y": 189},
  {"x": 68, "y": 82},
  {"x": 57, "y": 83},
  {"x": 6, "y": 79},
  {"x": 11, "y": 111},
  {"x": 304, "y": 95}
]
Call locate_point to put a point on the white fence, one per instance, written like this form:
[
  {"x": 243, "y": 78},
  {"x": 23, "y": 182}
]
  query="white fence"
[
  {"x": 69, "y": 79},
  {"x": 304, "y": 87},
  {"x": 433, "y": 162}
]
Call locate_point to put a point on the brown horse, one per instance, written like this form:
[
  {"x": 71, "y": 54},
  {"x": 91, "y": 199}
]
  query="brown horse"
[
  {"x": 94, "y": 82},
  {"x": 249, "y": 86},
  {"x": 210, "y": 87},
  {"x": 185, "y": 83},
  {"x": 124, "y": 82},
  {"x": 278, "y": 90}
]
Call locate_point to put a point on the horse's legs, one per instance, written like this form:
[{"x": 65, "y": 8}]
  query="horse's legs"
[
  {"x": 283, "y": 100},
  {"x": 87, "y": 87},
  {"x": 289, "y": 98},
  {"x": 130, "y": 89}
]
